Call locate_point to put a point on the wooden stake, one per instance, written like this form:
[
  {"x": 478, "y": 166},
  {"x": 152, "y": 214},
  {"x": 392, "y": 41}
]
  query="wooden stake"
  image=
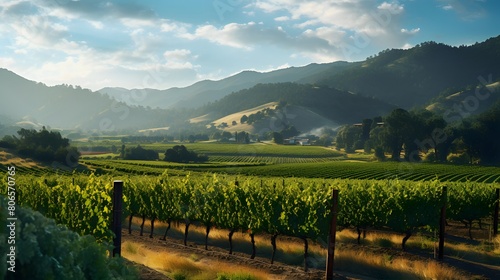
[{"x": 331, "y": 237}]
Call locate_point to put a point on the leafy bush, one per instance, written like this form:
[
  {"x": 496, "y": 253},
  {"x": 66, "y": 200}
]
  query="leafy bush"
[
  {"x": 430, "y": 157},
  {"x": 139, "y": 153},
  {"x": 379, "y": 153},
  {"x": 459, "y": 158},
  {"x": 179, "y": 153},
  {"x": 42, "y": 145},
  {"x": 45, "y": 250}
]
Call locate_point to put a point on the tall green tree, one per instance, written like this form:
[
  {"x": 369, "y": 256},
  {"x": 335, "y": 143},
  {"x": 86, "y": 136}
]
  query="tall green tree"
[{"x": 398, "y": 125}]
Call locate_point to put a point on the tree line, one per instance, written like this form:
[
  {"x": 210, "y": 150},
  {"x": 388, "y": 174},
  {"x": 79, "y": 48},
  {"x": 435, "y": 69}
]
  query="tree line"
[
  {"x": 43, "y": 145},
  {"x": 421, "y": 134}
]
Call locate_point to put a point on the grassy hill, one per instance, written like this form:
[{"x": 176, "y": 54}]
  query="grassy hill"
[
  {"x": 34, "y": 104},
  {"x": 203, "y": 92},
  {"x": 334, "y": 93},
  {"x": 456, "y": 104},
  {"x": 319, "y": 103},
  {"x": 410, "y": 78},
  {"x": 406, "y": 78}
]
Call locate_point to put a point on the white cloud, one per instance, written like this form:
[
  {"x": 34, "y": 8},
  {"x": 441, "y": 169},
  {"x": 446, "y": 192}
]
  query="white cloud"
[
  {"x": 42, "y": 46},
  {"x": 235, "y": 35},
  {"x": 407, "y": 46},
  {"x": 96, "y": 24},
  {"x": 282, "y": 18},
  {"x": 177, "y": 54},
  {"x": 269, "y": 68},
  {"x": 179, "y": 59},
  {"x": 410, "y": 32},
  {"x": 39, "y": 30},
  {"x": 468, "y": 10},
  {"x": 6, "y": 62},
  {"x": 378, "y": 23},
  {"x": 394, "y": 8},
  {"x": 251, "y": 36},
  {"x": 137, "y": 23}
]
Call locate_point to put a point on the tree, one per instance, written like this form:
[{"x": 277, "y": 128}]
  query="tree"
[
  {"x": 243, "y": 119},
  {"x": 226, "y": 134},
  {"x": 122, "y": 151},
  {"x": 396, "y": 132},
  {"x": 179, "y": 153},
  {"x": 379, "y": 153},
  {"x": 139, "y": 153},
  {"x": 480, "y": 136},
  {"x": 347, "y": 136},
  {"x": 42, "y": 145},
  {"x": 217, "y": 135},
  {"x": 325, "y": 140},
  {"x": 433, "y": 134},
  {"x": 289, "y": 131},
  {"x": 277, "y": 137},
  {"x": 367, "y": 125},
  {"x": 242, "y": 137}
]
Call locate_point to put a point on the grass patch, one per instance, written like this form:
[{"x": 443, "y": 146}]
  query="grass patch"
[
  {"x": 178, "y": 266},
  {"x": 235, "y": 276},
  {"x": 290, "y": 251}
]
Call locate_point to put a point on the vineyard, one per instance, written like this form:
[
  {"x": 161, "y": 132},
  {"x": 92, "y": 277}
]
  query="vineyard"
[
  {"x": 257, "y": 149},
  {"x": 36, "y": 170},
  {"x": 271, "y": 159},
  {"x": 292, "y": 207},
  {"x": 338, "y": 169},
  {"x": 379, "y": 171}
]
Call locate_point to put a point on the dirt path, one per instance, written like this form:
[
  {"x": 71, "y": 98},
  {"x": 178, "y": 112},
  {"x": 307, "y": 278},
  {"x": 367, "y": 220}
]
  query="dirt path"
[
  {"x": 277, "y": 270},
  {"x": 286, "y": 272},
  {"x": 216, "y": 255}
]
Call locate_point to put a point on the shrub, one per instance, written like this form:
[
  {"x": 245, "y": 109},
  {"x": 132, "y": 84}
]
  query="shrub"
[
  {"x": 139, "y": 153},
  {"x": 179, "y": 153},
  {"x": 45, "y": 250},
  {"x": 458, "y": 158},
  {"x": 430, "y": 157},
  {"x": 379, "y": 153}
]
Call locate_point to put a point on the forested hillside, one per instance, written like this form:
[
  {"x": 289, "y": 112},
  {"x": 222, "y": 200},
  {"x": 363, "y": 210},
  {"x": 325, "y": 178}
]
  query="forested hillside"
[
  {"x": 336, "y": 105},
  {"x": 412, "y": 77}
]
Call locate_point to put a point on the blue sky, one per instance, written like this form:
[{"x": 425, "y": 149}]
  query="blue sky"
[{"x": 162, "y": 44}]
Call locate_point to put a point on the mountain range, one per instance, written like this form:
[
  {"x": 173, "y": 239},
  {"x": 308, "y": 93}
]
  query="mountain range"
[
  {"x": 431, "y": 75},
  {"x": 206, "y": 91}
]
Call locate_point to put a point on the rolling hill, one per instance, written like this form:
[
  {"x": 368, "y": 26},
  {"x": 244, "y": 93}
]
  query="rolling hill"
[
  {"x": 67, "y": 107},
  {"x": 406, "y": 78},
  {"x": 411, "y": 78},
  {"x": 430, "y": 74},
  {"x": 307, "y": 107},
  {"x": 207, "y": 91},
  {"x": 456, "y": 105}
]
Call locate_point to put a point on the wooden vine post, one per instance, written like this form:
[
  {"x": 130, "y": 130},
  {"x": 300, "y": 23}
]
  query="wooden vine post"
[
  {"x": 117, "y": 217},
  {"x": 442, "y": 223},
  {"x": 495, "y": 214},
  {"x": 332, "y": 234}
]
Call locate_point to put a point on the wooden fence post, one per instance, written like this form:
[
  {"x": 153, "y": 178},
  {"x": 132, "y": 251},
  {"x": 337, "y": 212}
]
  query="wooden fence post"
[
  {"x": 442, "y": 223},
  {"x": 495, "y": 214},
  {"x": 331, "y": 237},
  {"x": 117, "y": 217}
]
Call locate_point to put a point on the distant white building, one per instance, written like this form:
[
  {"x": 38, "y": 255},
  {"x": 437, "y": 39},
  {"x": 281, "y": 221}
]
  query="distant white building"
[{"x": 297, "y": 141}]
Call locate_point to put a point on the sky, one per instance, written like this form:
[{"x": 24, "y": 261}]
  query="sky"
[{"x": 163, "y": 44}]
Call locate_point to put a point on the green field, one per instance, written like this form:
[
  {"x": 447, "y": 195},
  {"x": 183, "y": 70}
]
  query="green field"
[
  {"x": 376, "y": 170},
  {"x": 270, "y": 160},
  {"x": 260, "y": 149},
  {"x": 341, "y": 169}
]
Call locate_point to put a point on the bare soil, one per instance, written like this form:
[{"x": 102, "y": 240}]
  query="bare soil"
[{"x": 281, "y": 271}]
